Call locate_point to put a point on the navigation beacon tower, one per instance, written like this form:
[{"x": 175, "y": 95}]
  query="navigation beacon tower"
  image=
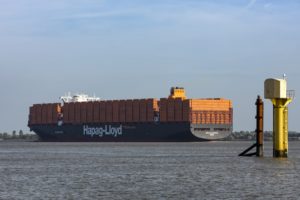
[{"x": 276, "y": 91}]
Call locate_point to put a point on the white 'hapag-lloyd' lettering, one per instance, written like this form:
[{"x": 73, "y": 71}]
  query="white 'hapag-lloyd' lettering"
[{"x": 101, "y": 131}]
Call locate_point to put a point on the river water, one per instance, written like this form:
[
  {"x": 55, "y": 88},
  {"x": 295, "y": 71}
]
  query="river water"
[{"x": 201, "y": 170}]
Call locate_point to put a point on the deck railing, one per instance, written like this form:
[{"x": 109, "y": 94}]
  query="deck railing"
[{"x": 290, "y": 94}]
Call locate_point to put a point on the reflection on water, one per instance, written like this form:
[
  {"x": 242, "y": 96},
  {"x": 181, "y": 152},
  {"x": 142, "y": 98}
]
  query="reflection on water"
[{"x": 209, "y": 170}]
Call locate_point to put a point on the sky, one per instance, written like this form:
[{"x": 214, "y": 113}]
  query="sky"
[{"x": 119, "y": 49}]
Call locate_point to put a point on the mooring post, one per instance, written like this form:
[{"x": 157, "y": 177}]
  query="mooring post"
[
  {"x": 259, "y": 127},
  {"x": 259, "y": 131}
]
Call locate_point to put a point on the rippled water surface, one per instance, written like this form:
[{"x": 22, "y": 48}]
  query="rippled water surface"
[{"x": 211, "y": 170}]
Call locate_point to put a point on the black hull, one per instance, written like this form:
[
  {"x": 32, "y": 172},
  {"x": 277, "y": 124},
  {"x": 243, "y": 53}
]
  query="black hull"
[{"x": 131, "y": 132}]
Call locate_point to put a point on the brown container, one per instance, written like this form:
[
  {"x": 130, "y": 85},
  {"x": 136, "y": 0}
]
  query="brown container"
[
  {"x": 56, "y": 107},
  {"x": 89, "y": 112},
  {"x": 77, "y": 113},
  {"x": 115, "y": 104},
  {"x": 163, "y": 109},
  {"x": 136, "y": 111},
  {"x": 96, "y": 112},
  {"x": 109, "y": 111},
  {"x": 66, "y": 113},
  {"x": 44, "y": 114},
  {"x": 48, "y": 113},
  {"x": 38, "y": 113},
  {"x": 83, "y": 112},
  {"x": 186, "y": 110},
  {"x": 102, "y": 111},
  {"x": 72, "y": 112},
  {"x": 171, "y": 110},
  {"x": 129, "y": 110},
  {"x": 178, "y": 110},
  {"x": 122, "y": 111},
  {"x": 151, "y": 108},
  {"x": 143, "y": 110}
]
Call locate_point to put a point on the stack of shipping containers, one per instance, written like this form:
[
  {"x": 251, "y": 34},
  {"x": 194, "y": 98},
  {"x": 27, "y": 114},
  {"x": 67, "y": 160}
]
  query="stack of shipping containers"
[
  {"x": 163, "y": 105},
  {"x": 71, "y": 112},
  {"x": 135, "y": 110},
  {"x": 199, "y": 111},
  {"x": 89, "y": 112},
  {"x": 129, "y": 111},
  {"x": 143, "y": 110},
  {"x": 152, "y": 108},
  {"x": 122, "y": 111},
  {"x": 96, "y": 111},
  {"x": 44, "y": 113},
  {"x": 210, "y": 111}
]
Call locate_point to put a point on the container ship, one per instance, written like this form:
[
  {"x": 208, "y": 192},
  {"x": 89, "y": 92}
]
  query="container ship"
[{"x": 81, "y": 118}]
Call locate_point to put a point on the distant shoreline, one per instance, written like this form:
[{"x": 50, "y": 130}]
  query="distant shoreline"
[{"x": 235, "y": 136}]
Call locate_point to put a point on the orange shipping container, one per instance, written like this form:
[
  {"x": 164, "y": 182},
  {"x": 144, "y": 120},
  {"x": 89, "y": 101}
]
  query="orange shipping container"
[{"x": 210, "y": 104}]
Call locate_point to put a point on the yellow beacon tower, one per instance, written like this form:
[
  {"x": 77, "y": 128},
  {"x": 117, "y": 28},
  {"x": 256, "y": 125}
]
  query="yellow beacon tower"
[{"x": 276, "y": 91}]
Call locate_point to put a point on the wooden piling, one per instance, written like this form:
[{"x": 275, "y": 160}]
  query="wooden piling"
[
  {"x": 259, "y": 131},
  {"x": 259, "y": 127}
]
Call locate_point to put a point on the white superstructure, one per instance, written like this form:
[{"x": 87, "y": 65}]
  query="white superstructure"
[{"x": 78, "y": 98}]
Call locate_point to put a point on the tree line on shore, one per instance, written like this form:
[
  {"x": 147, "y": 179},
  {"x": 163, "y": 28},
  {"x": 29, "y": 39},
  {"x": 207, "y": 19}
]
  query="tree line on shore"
[
  {"x": 20, "y": 135},
  {"x": 251, "y": 135},
  {"x": 237, "y": 135}
]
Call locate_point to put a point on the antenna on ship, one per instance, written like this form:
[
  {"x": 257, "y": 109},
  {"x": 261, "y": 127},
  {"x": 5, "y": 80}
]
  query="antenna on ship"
[{"x": 284, "y": 76}]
